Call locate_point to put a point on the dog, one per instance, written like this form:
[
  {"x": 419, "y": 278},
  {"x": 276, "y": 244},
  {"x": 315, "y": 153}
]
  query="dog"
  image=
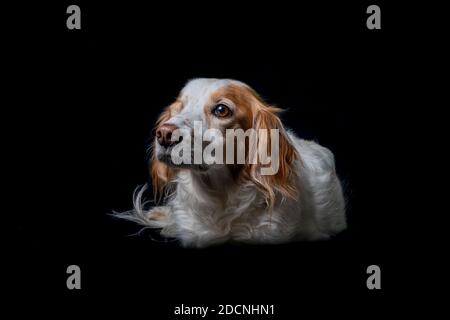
[{"x": 203, "y": 204}]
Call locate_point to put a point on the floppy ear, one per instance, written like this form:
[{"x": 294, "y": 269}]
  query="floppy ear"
[
  {"x": 266, "y": 117},
  {"x": 160, "y": 172},
  {"x": 161, "y": 176}
]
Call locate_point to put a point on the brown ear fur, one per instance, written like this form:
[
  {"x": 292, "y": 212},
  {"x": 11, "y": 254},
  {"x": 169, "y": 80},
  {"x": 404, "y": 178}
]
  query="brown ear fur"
[
  {"x": 160, "y": 172},
  {"x": 265, "y": 117}
]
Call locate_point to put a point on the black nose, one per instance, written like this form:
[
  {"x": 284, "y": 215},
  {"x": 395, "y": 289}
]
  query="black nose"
[{"x": 164, "y": 135}]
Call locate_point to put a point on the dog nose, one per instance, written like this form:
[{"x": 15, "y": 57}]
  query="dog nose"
[{"x": 164, "y": 135}]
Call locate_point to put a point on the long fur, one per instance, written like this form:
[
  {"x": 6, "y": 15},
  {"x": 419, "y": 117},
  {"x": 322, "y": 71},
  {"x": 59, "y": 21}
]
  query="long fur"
[{"x": 303, "y": 201}]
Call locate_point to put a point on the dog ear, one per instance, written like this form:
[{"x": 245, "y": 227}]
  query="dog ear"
[
  {"x": 161, "y": 176},
  {"x": 282, "y": 180},
  {"x": 160, "y": 172}
]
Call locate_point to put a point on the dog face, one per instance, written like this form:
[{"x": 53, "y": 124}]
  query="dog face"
[{"x": 207, "y": 108}]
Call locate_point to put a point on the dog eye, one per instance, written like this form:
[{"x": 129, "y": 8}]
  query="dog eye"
[{"x": 221, "y": 111}]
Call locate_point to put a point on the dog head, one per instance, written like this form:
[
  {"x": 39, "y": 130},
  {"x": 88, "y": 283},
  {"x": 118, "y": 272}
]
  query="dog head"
[{"x": 209, "y": 115}]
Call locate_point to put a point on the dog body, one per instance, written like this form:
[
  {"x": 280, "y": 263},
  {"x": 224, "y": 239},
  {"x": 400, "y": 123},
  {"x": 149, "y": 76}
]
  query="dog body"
[{"x": 210, "y": 204}]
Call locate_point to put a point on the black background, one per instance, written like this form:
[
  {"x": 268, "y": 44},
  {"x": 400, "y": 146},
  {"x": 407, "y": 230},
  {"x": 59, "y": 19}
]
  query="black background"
[{"x": 86, "y": 101}]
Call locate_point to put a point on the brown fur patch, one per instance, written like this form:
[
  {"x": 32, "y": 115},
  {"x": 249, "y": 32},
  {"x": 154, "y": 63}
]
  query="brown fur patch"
[
  {"x": 252, "y": 112},
  {"x": 239, "y": 96},
  {"x": 160, "y": 172}
]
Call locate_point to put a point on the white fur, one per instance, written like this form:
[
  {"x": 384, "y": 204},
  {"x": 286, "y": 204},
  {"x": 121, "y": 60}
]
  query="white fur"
[{"x": 208, "y": 207}]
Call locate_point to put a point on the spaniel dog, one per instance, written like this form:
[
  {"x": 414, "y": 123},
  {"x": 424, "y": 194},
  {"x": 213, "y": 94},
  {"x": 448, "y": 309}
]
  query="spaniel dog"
[{"x": 210, "y": 202}]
